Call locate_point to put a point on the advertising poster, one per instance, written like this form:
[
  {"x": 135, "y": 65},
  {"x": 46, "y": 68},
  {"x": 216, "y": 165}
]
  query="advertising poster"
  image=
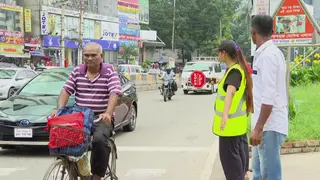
[
  {"x": 11, "y": 48},
  {"x": 110, "y": 31},
  {"x": 97, "y": 30},
  {"x": 292, "y": 24},
  {"x": 128, "y": 13},
  {"x": 44, "y": 22},
  {"x": 11, "y": 37},
  {"x": 27, "y": 19},
  {"x": 144, "y": 11}
]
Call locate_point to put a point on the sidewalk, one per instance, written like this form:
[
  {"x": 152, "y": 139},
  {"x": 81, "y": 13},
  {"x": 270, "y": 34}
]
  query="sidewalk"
[{"x": 295, "y": 167}]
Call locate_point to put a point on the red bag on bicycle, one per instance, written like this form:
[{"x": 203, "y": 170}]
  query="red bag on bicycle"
[{"x": 68, "y": 132}]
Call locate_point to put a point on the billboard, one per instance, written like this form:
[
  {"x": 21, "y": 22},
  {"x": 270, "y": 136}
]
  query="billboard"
[
  {"x": 128, "y": 13},
  {"x": 110, "y": 31},
  {"x": 144, "y": 11},
  {"x": 27, "y": 20},
  {"x": 292, "y": 24}
]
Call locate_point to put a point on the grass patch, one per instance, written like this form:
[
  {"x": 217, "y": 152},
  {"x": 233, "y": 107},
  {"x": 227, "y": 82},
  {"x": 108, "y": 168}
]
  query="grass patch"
[{"x": 306, "y": 124}]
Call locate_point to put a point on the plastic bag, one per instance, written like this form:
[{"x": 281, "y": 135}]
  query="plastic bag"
[{"x": 84, "y": 166}]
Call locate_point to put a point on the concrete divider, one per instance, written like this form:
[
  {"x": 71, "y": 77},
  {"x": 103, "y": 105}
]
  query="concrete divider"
[{"x": 147, "y": 82}]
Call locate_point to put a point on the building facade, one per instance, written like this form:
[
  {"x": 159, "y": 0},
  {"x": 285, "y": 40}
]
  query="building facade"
[
  {"x": 11, "y": 30},
  {"x": 101, "y": 25}
]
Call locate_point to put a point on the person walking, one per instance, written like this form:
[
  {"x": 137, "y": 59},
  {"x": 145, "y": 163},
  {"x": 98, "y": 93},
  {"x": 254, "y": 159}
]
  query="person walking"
[
  {"x": 232, "y": 106},
  {"x": 270, "y": 118}
]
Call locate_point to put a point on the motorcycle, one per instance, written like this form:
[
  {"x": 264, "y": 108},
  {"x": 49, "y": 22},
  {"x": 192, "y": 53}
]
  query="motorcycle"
[{"x": 166, "y": 91}]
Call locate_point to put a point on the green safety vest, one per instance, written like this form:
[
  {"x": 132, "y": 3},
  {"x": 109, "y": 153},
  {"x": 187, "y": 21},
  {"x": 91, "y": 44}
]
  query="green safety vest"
[{"x": 237, "y": 119}]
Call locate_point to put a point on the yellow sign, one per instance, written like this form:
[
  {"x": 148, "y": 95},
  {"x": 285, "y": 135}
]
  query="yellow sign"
[
  {"x": 97, "y": 30},
  {"x": 128, "y": 9},
  {"x": 11, "y": 7},
  {"x": 11, "y": 49},
  {"x": 52, "y": 24},
  {"x": 27, "y": 19}
]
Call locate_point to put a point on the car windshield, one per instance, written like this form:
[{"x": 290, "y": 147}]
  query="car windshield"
[
  {"x": 47, "y": 83},
  {"x": 7, "y": 73},
  {"x": 189, "y": 67}
]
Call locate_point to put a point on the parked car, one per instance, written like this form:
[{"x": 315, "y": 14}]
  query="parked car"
[
  {"x": 7, "y": 65},
  {"x": 12, "y": 79},
  {"x": 41, "y": 69},
  {"x": 23, "y": 116}
]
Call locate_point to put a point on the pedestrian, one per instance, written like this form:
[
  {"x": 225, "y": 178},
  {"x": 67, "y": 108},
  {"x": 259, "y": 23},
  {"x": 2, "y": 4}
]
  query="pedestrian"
[
  {"x": 270, "y": 119},
  {"x": 97, "y": 86},
  {"x": 233, "y": 105}
]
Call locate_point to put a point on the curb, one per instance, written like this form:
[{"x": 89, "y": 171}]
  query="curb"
[{"x": 297, "y": 147}]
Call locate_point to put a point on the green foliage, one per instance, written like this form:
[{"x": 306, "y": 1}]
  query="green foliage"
[
  {"x": 292, "y": 108},
  {"x": 146, "y": 64},
  {"x": 129, "y": 53},
  {"x": 197, "y": 24},
  {"x": 305, "y": 75}
]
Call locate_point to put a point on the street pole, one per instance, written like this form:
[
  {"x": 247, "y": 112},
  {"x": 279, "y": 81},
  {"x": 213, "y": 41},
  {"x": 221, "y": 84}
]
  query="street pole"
[
  {"x": 62, "y": 36},
  {"x": 173, "y": 24},
  {"x": 288, "y": 73},
  {"x": 81, "y": 32}
]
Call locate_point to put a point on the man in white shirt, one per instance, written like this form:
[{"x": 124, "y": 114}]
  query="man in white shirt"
[{"x": 270, "y": 118}]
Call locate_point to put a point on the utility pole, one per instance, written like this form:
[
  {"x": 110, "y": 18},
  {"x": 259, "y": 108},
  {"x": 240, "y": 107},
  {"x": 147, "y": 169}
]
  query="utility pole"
[
  {"x": 173, "y": 24},
  {"x": 81, "y": 32},
  {"x": 62, "y": 36}
]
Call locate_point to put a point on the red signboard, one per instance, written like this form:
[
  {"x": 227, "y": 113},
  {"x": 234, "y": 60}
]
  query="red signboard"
[
  {"x": 11, "y": 37},
  {"x": 198, "y": 79},
  {"x": 292, "y": 24}
]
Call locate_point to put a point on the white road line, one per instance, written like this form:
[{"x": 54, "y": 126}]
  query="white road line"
[
  {"x": 162, "y": 149},
  {"x": 8, "y": 171},
  {"x": 208, "y": 166}
]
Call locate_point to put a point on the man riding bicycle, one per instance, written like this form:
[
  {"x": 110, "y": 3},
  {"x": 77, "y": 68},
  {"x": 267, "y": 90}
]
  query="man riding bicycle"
[{"x": 97, "y": 86}]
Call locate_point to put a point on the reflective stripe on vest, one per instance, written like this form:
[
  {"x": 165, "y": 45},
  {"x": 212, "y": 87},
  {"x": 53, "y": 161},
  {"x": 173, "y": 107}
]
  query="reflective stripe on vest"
[{"x": 236, "y": 124}]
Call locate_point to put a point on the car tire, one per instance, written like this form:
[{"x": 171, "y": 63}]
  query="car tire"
[
  {"x": 185, "y": 91},
  {"x": 11, "y": 92},
  {"x": 133, "y": 120}
]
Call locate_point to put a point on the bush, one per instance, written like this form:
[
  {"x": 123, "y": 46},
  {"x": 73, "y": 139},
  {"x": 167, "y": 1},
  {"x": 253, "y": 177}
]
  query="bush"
[{"x": 305, "y": 75}]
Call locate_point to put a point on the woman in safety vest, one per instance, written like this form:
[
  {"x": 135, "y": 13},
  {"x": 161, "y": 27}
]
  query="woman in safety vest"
[{"x": 233, "y": 104}]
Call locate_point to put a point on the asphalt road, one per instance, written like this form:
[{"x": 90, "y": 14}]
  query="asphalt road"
[{"x": 172, "y": 141}]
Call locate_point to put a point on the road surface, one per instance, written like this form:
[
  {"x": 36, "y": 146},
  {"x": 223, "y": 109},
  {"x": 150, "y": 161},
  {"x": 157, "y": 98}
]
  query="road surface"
[{"x": 172, "y": 141}]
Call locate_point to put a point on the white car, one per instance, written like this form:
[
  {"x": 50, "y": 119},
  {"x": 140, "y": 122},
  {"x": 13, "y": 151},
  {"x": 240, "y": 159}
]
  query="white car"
[
  {"x": 211, "y": 69},
  {"x": 12, "y": 79}
]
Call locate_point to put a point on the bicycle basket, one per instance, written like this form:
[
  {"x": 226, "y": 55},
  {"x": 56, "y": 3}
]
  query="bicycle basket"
[{"x": 66, "y": 140}]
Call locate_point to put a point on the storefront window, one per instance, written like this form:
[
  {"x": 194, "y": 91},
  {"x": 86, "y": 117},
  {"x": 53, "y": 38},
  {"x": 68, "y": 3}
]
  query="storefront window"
[
  {"x": 89, "y": 29},
  {"x": 10, "y": 20}
]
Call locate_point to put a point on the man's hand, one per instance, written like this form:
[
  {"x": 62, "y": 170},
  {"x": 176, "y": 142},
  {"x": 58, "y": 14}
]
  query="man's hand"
[
  {"x": 106, "y": 118},
  {"x": 53, "y": 113},
  {"x": 223, "y": 122},
  {"x": 256, "y": 137}
]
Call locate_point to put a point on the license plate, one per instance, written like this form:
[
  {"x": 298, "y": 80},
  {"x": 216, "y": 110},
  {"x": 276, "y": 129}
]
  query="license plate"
[{"x": 23, "y": 133}]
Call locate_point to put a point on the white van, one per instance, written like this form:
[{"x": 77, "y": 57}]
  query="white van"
[
  {"x": 130, "y": 69},
  {"x": 210, "y": 68}
]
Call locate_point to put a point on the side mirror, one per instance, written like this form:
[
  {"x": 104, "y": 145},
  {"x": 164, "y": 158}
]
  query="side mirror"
[{"x": 19, "y": 78}]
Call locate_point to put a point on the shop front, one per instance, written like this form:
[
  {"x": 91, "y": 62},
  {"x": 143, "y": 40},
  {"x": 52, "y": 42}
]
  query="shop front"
[{"x": 52, "y": 48}]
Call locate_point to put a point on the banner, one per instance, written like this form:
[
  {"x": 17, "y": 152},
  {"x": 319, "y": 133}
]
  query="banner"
[
  {"x": 292, "y": 24},
  {"x": 11, "y": 49},
  {"x": 54, "y": 41},
  {"x": 110, "y": 31},
  {"x": 97, "y": 30},
  {"x": 130, "y": 1},
  {"x": 128, "y": 37},
  {"x": 144, "y": 11},
  {"x": 129, "y": 29},
  {"x": 128, "y": 13},
  {"x": 9, "y": 7},
  {"x": 44, "y": 22},
  {"x": 27, "y": 19},
  {"x": 11, "y": 37}
]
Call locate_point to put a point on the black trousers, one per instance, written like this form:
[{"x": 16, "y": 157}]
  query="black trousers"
[
  {"x": 232, "y": 157},
  {"x": 246, "y": 151},
  {"x": 100, "y": 148}
]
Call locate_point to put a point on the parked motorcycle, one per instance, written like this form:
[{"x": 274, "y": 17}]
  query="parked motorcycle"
[{"x": 166, "y": 91}]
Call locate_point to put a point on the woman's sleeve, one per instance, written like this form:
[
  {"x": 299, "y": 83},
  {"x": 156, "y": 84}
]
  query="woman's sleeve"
[{"x": 233, "y": 79}]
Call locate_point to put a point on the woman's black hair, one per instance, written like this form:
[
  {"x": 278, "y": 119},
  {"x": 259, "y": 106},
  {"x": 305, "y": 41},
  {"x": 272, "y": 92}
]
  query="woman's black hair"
[{"x": 233, "y": 50}]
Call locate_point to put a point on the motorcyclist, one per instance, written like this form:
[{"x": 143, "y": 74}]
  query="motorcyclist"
[{"x": 168, "y": 75}]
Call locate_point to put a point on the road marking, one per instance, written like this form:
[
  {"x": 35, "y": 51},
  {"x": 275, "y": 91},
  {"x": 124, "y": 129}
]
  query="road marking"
[
  {"x": 145, "y": 174},
  {"x": 208, "y": 166},
  {"x": 163, "y": 149},
  {"x": 8, "y": 171}
]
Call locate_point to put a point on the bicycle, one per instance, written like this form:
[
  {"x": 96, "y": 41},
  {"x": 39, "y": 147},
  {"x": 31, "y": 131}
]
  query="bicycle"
[{"x": 69, "y": 163}]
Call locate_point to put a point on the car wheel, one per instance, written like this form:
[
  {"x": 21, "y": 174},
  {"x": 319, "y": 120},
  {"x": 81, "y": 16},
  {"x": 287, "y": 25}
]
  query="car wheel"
[
  {"x": 185, "y": 91},
  {"x": 11, "y": 92},
  {"x": 133, "y": 120}
]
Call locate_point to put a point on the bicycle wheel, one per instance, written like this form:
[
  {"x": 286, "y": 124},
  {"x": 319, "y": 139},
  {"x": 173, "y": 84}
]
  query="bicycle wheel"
[
  {"x": 112, "y": 165},
  {"x": 63, "y": 171}
]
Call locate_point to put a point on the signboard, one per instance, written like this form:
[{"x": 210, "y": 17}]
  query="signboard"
[
  {"x": 144, "y": 11},
  {"x": 198, "y": 79},
  {"x": 130, "y": 1},
  {"x": 128, "y": 13},
  {"x": 44, "y": 22},
  {"x": 11, "y": 48},
  {"x": 32, "y": 41},
  {"x": 54, "y": 41},
  {"x": 110, "y": 31},
  {"x": 262, "y": 6},
  {"x": 292, "y": 24},
  {"x": 27, "y": 19},
  {"x": 129, "y": 29},
  {"x": 128, "y": 37},
  {"x": 11, "y": 37}
]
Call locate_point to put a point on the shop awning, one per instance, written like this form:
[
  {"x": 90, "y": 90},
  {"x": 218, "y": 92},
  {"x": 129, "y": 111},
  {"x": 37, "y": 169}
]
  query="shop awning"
[{"x": 153, "y": 44}]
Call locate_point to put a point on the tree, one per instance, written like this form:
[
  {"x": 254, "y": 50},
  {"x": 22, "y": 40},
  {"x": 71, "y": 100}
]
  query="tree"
[{"x": 129, "y": 52}]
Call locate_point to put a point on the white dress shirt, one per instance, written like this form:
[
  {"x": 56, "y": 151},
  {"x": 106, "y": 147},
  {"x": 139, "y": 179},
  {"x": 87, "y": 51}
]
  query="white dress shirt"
[{"x": 269, "y": 87}]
